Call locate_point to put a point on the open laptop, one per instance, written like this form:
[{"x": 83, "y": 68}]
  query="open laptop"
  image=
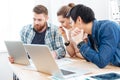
[
  {"x": 17, "y": 51},
  {"x": 44, "y": 61}
]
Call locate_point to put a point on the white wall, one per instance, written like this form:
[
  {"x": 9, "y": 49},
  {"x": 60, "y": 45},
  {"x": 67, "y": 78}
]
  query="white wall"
[
  {"x": 20, "y": 14},
  {"x": 14, "y": 15},
  {"x": 3, "y": 22}
]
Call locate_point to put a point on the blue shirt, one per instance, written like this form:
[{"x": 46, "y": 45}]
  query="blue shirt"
[
  {"x": 106, "y": 35},
  {"x": 52, "y": 38}
]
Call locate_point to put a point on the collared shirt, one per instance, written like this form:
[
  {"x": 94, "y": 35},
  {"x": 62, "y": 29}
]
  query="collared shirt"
[
  {"x": 106, "y": 35},
  {"x": 52, "y": 38}
]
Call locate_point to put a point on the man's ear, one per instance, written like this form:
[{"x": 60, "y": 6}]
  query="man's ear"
[
  {"x": 47, "y": 17},
  {"x": 79, "y": 19}
]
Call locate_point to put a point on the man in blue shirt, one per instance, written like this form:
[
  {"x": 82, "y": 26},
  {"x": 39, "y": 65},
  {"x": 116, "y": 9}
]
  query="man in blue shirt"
[{"x": 103, "y": 45}]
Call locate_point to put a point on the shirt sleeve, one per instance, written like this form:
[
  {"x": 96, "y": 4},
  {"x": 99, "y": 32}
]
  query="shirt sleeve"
[
  {"x": 60, "y": 50},
  {"x": 108, "y": 39},
  {"x": 54, "y": 40},
  {"x": 22, "y": 34}
]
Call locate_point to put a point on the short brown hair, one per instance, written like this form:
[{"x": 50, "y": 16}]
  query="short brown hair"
[
  {"x": 65, "y": 9},
  {"x": 40, "y": 9}
]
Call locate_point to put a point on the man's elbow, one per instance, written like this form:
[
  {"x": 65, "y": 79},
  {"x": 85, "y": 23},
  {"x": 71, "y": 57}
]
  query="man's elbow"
[
  {"x": 102, "y": 65},
  {"x": 61, "y": 55}
]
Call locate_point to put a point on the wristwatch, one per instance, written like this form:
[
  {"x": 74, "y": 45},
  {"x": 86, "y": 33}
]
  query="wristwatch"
[
  {"x": 67, "y": 43},
  {"x": 80, "y": 44}
]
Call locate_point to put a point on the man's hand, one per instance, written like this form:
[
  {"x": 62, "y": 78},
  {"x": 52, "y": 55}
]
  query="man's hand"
[
  {"x": 54, "y": 54},
  {"x": 77, "y": 35},
  {"x": 11, "y": 59}
]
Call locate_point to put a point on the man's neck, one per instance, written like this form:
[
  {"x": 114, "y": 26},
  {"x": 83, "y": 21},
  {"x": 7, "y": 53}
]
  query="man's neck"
[
  {"x": 88, "y": 28},
  {"x": 43, "y": 29}
]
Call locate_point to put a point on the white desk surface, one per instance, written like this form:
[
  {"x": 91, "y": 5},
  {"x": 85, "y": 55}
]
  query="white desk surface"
[{"x": 30, "y": 74}]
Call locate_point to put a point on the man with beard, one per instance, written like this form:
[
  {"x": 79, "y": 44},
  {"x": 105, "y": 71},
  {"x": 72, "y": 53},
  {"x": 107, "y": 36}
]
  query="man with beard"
[
  {"x": 42, "y": 32},
  {"x": 103, "y": 45}
]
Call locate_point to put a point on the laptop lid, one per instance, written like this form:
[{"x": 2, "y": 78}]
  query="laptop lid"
[
  {"x": 17, "y": 50},
  {"x": 44, "y": 61}
]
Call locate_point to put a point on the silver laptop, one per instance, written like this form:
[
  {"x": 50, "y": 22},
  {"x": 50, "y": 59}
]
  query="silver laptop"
[
  {"x": 17, "y": 50},
  {"x": 44, "y": 61}
]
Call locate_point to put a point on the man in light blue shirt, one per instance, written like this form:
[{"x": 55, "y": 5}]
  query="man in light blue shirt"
[
  {"x": 42, "y": 32},
  {"x": 103, "y": 45}
]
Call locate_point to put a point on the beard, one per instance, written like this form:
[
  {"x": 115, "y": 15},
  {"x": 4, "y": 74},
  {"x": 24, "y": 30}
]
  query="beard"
[{"x": 39, "y": 27}]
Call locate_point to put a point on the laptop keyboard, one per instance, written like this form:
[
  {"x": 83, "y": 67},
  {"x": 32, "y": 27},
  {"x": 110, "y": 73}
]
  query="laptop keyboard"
[
  {"x": 65, "y": 72},
  {"x": 64, "y": 61}
]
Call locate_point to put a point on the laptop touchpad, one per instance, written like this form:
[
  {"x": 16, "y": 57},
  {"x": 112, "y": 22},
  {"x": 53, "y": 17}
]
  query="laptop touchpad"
[{"x": 65, "y": 72}]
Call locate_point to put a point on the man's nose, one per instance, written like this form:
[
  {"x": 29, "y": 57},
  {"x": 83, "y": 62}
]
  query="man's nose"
[
  {"x": 73, "y": 25},
  {"x": 36, "y": 21}
]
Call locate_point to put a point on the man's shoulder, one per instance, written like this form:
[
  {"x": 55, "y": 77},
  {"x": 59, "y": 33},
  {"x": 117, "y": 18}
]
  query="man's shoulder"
[
  {"x": 52, "y": 26},
  {"x": 108, "y": 24},
  {"x": 27, "y": 27}
]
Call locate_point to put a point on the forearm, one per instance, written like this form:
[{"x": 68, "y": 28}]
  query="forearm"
[
  {"x": 78, "y": 54},
  {"x": 70, "y": 49},
  {"x": 101, "y": 58}
]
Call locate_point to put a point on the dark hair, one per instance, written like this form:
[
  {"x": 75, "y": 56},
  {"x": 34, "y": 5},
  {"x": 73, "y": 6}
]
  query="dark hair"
[
  {"x": 86, "y": 13},
  {"x": 65, "y": 9},
  {"x": 40, "y": 9}
]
